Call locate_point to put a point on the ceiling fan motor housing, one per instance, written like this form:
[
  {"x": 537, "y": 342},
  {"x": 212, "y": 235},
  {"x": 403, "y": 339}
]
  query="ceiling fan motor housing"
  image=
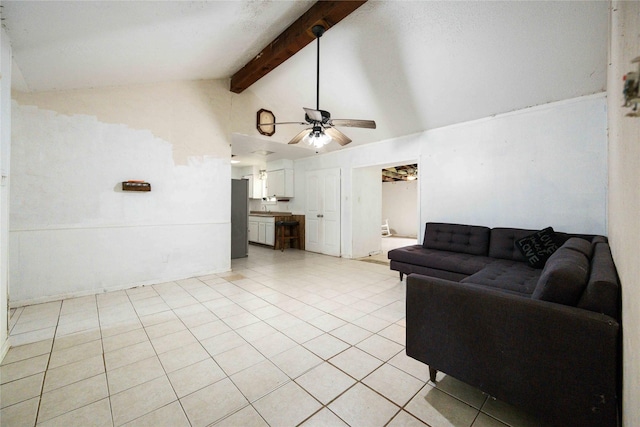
[{"x": 326, "y": 116}]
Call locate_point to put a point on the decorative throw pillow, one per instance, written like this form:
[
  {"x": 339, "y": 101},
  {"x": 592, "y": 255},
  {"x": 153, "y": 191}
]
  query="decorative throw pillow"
[{"x": 538, "y": 247}]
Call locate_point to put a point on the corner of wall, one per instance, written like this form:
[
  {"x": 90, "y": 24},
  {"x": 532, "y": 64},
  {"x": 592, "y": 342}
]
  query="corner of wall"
[
  {"x": 623, "y": 197},
  {"x": 5, "y": 154}
]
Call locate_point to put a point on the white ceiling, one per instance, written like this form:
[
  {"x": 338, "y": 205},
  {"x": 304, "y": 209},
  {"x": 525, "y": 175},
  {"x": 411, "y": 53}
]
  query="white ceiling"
[
  {"x": 410, "y": 65},
  {"x": 77, "y": 44}
]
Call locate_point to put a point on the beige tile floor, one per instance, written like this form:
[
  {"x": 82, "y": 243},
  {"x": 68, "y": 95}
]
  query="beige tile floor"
[{"x": 286, "y": 339}]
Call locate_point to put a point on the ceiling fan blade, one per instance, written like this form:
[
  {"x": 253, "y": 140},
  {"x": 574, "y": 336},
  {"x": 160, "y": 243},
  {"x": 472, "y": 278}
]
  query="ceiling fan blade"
[
  {"x": 338, "y": 136},
  {"x": 283, "y": 123},
  {"x": 299, "y": 136},
  {"x": 354, "y": 123},
  {"x": 314, "y": 115}
]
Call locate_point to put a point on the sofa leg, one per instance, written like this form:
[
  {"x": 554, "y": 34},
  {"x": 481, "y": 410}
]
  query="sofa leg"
[
  {"x": 401, "y": 275},
  {"x": 432, "y": 374}
]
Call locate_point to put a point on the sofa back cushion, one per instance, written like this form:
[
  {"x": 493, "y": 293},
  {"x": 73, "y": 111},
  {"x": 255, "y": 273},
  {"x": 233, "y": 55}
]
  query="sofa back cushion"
[
  {"x": 468, "y": 239},
  {"x": 502, "y": 244},
  {"x": 602, "y": 293},
  {"x": 563, "y": 278},
  {"x": 580, "y": 245},
  {"x": 599, "y": 239}
]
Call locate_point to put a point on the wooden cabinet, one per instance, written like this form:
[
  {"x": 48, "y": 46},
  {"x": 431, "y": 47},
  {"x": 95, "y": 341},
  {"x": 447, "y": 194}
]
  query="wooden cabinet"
[
  {"x": 280, "y": 183},
  {"x": 300, "y": 244}
]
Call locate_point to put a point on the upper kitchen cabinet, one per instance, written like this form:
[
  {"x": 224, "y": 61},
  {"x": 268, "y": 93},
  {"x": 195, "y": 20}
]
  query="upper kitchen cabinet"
[
  {"x": 256, "y": 176},
  {"x": 280, "y": 183},
  {"x": 256, "y": 186},
  {"x": 280, "y": 179}
]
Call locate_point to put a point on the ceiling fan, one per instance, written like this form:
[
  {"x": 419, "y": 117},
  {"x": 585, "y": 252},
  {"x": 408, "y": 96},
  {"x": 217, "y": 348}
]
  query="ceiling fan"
[{"x": 322, "y": 129}]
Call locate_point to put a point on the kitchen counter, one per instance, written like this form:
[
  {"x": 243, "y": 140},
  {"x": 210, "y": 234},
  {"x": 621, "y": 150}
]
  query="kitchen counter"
[
  {"x": 269, "y": 213},
  {"x": 264, "y": 233}
]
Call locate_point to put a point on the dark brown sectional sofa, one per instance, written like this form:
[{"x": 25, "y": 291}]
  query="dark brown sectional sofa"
[{"x": 546, "y": 339}]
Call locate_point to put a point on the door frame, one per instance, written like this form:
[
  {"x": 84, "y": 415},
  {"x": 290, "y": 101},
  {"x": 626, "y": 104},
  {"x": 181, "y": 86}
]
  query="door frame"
[
  {"x": 356, "y": 190},
  {"x": 320, "y": 208}
]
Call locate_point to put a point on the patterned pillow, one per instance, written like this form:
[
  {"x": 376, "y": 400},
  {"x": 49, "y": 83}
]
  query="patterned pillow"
[{"x": 538, "y": 247}]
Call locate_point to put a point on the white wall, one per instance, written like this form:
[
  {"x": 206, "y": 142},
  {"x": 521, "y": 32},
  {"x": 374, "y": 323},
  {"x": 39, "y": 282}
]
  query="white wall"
[
  {"x": 5, "y": 154},
  {"x": 73, "y": 231},
  {"x": 531, "y": 168},
  {"x": 400, "y": 206},
  {"x": 624, "y": 197},
  {"x": 366, "y": 205},
  {"x": 236, "y": 173}
]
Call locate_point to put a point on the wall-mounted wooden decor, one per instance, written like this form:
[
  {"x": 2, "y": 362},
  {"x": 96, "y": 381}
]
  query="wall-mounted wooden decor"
[
  {"x": 133, "y": 185},
  {"x": 265, "y": 122}
]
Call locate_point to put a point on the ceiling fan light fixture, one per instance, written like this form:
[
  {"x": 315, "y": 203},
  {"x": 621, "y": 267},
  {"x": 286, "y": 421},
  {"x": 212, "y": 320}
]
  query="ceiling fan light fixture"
[{"x": 317, "y": 138}]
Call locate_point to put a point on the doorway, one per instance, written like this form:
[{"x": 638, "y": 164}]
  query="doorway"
[
  {"x": 393, "y": 194},
  {"x": 400, "y": 189}
]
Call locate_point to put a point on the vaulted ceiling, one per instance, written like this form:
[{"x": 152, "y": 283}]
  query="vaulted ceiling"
[{"x": 410, "y": 65}]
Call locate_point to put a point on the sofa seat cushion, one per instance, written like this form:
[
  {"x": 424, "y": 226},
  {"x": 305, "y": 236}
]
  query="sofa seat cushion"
[
  {"x": 468, "y": 239},
  {"x": 438, "y": 259},
  {"x": 511, "y": 276}
]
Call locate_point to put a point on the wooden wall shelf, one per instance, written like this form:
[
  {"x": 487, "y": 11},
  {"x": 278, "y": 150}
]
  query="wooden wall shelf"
[{"x": 136, "y": 186}]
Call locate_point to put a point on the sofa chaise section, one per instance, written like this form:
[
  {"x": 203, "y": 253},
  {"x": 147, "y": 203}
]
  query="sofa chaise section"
[{"x": 555, "y": 361}]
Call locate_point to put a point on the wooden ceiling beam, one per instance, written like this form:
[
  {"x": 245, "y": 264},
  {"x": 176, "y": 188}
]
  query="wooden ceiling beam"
[{"x": 294, "y": 38}]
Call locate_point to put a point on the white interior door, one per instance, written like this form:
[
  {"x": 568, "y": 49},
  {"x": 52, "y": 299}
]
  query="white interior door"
[{"x": 322, "y": 216}]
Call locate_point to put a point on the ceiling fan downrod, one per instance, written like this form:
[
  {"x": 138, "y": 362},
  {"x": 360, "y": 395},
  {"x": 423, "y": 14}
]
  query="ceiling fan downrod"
[
  {"x": 318, "y": 31},
  {"x": 322, "y": 129}
]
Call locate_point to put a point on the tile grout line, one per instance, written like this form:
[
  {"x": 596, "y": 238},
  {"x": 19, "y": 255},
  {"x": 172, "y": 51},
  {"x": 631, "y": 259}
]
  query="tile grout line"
[
  {"x": 189, "y": 329},
  {"x": 144, "y": 328},
  {"x": 104, "y": 362},
  {"x": 249, "y": 402},
  {"x": 46, "y": 371},
  {"x": 268, "y": 359}
]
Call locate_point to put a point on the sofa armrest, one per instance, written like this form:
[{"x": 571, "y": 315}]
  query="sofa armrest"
[{"x": 556, "y": 361}]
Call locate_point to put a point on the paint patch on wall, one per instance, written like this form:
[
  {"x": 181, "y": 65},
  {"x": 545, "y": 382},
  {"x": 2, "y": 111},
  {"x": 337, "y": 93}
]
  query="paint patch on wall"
[
  {"x": 68, "y": 169},
  {"x": 194, "y": 116},
  {"x": 73, "y": 231}
]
